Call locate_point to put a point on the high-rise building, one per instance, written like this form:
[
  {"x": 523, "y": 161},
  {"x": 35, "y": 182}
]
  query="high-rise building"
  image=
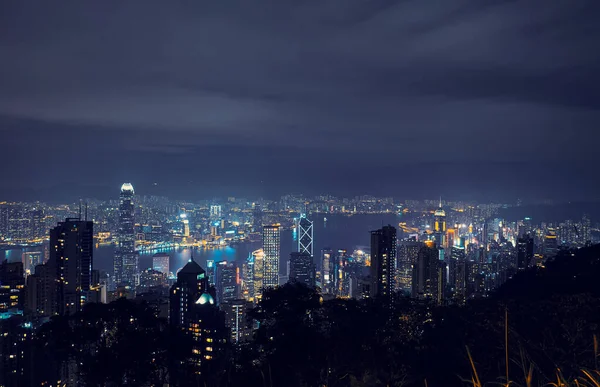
[
  {"x": 305, "y": 236},
  {"x": 160, "y": 262},
  {"x": 237, "y": 320},
  {"x": 211, "y": 272},
  {"x": 71, "y": 263},
  {"x": 258, "y": 257},
  {"x": 525, "y": 251},
  {"x": 271, "y": 248},
  {"x": 302, "y": 269},
  {"x": 193, "y": 310},
  {"x": 428, "y": 275},
  {"x": 341, "y": 280},
  {"x": 257, "y": 222},
  {"x": 550, "y": 244},
  {"x": 383, "y": 262},
  {"x": 215, "y": 212},
  {"x": 30, "y": 260},
  {"x": 408, "y": 252},
  {"x": 126, "y": 258},
  {"x": 228, "y": 281},
  {"x": 458, "y": 274},
  {"x": 439, "y": 219},
  {"x": 12, "y": 283},
  {"x": 327, "y": 271}
]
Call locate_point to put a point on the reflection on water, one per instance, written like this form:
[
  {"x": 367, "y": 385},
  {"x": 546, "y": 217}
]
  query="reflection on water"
[{"x": 338, "y": 232}]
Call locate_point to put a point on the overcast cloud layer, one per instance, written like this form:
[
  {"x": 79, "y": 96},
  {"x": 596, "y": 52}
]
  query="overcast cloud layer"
[{"x": 469, "y": 99}]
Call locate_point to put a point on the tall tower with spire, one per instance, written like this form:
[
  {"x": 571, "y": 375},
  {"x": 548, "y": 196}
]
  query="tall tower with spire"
[{"x": 126, "y": 258}]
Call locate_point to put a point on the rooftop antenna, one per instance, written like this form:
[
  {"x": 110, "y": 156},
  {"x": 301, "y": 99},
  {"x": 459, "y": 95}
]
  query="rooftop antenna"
[{"x": 440, "y": 201}]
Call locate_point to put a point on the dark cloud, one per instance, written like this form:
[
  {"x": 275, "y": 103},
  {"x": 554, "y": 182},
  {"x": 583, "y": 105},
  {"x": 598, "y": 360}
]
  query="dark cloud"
[{"x": 425, "y": 96}]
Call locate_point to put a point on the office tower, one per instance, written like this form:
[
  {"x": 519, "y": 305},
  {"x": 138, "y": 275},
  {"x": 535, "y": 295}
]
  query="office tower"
[
  {"x": 428, "y": 275},
  {"x": 257, "y": 222},
  {"x": 237, "y": 320},
  {"x": 525, "y": 250},
  {"x": 126, "y": 258},
  {"x": 71, "y": 263},
  {"x": 258, "y": 257},
  {"x": 383, "y": 262},
  {"x": 271, "y": 248},
  {"x": 30, "y": 260},
  {"x": 550, "y": 244},
  {"x": 327, "y": 271},
  {"x": 302, "y": 269},
  {"x": 439, "y": 220},
  {"x": 408, "y": 251},
  {"x": 4, "y": 210},
  {"x": 228, "y": 281},
  {"x": 160, "y": 262},
  {"x": 305, "y": 239},
  {"x": 586, "y": 235},
  {"x": 215, "y": 212},
  {"x": 186, "y": 225},
  {"x": 341, "y": 280},
  {"x": 211, "y": 272},
  {"x": 12, "y": 282},
  {"x": 193, "y": 310},
  {"x": 247, "y": 278},
  {"x": 458, "y": 274}
]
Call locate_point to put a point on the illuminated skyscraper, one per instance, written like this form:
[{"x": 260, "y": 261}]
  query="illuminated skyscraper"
[
  {"x": 305, "y": 239},
  {"x": 408, "y": 252},
  {"x": 383, "y": 262},
  {"x": 271, "y": 248},
  {"x": 236, "y": 319},
  {"x": 126, "y": 258},
  {"x": 71, "y": 262},
  {"x": 302, "y": 269},
  {"x": 439, "y": 219},
  {"x": 258, "y": 257},
  {"x": 327, "y": 271},
  {"x": 228, "y": 281}
]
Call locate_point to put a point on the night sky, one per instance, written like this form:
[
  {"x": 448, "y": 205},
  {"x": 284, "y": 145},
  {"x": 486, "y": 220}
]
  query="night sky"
[{"x": 487, "y": 100}]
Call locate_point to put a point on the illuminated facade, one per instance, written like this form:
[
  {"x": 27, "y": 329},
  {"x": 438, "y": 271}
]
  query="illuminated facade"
[
  {"x": 383, "y": 262},
  {"x": 126, "y": 258},
  {"x": 271, "y": 248},
  {"x": 11, "y": 286},
  {"x": 327, "y": 271},
  {"x": 258, "y": 257},
  {"x": 428, "y": 275},
  {"x": 228, "y": 281},
  {"x": 305, "y": 239},
  {"x": 236, "y": 319}
]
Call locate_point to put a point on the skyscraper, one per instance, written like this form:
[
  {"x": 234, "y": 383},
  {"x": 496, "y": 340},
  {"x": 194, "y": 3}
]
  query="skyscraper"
[
  {"x": 228, "y": 281},
  {"x": 236, "y": 319},
  {"x": 428, "y": 275},
  {"x": 525, "y": 251},
  {"x": 271, "y": 248},
  {"x": 305, "y": 239},
  {"x": 193, "y": 310},
  {"x": 327, "y": 271},
  {"x": 12, "y": 282},
  {"x": 408, "y": 252},
  {"x": 71, "y": 263},
  {"x": 302, "y": 269},
  {"x": 258, "y": 257},
  {"x": 126, "y": 258},
  {"x": 383, "y": 262}
]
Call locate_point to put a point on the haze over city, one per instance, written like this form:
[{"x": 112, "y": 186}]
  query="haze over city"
[{"x": 481, "y": 100}]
